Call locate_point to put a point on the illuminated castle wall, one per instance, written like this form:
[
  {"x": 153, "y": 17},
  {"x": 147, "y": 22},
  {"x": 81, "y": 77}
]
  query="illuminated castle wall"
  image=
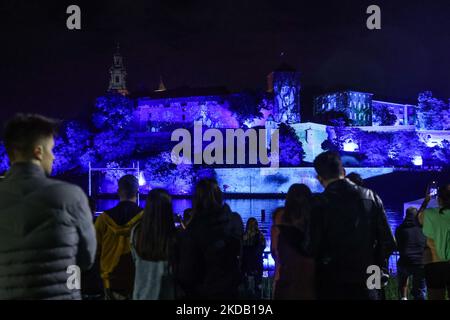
[
  {"x": 405, "y": 114},
  {"x": 356, "y": 105},
  {"x": 160, "y": 109},
  {"x": 173, "y": 107},
  {"x": 157, "y": 113}
]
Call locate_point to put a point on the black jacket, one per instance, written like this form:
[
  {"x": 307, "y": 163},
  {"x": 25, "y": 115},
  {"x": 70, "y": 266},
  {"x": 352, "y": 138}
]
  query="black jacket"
[
  {"x": 350, "y": 233},
  {"x": 208, "y": 262},
  {"x": 45, "y": 227},
  {"x": 411, "y": 242}
]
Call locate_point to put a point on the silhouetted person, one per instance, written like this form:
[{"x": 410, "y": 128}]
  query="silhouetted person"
[
  {"x": 356, "y": 179},
  {"x": 237, "y": 225},
  {"x": 187, "y": 216},
  {"x": 294, "y": 252},
  {"x": 351, "y": 233},
  {"x": 153, "y": 248},
  {"x": 253, "y": 246},
  {"x": 91, "y": 282},
  {"x": 411, "y": 246},
  {"x": 113, "y": 235},
  {"x": 209, "y": 249},
  {"x": 436, "y": 227},
  {"x": 45, "y": 224},
  {"x": 277, "y": 215}
]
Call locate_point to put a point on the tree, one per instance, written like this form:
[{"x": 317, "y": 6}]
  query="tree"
[
  {"x": 338, "y": 132},
  {"x": 161, "y": 172},
  {"x": 430, "y": 112},
  {"x": 113, "y": 112},
  {"x": 291, "y": 150},
  {"x": 245, "y": 105},
  {"x": 404, "y": 147},
  {"x": 72, "y": 148},
  {"x": 384, "y": 116},
  {"x": 113, "y": 145},
  {"x": 442, "y": 154},
  {"x": 375, "y": 148},
  {"x": 4, "y": 160},
  {"x": 113, "y": 140}
]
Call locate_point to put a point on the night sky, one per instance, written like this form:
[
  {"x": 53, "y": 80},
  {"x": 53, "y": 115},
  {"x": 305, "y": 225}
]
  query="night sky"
[{"x": 48, "y": 69}]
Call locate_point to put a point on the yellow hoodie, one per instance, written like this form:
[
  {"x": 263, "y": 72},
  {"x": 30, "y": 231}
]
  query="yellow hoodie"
[{"x": 113, "y": 243}]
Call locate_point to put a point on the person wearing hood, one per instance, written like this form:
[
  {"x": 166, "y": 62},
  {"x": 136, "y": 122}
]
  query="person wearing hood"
[
  {"x": 113, "y": 229},
  {"x": 411, "y": 244}
]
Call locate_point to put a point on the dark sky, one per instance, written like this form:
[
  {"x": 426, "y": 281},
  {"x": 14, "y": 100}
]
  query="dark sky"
[{"x": 48, "y": 69}]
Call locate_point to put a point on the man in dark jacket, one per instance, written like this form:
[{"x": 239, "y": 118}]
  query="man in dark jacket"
[
  {"x": 46, "y": 229},
  {"x": 411, "y": 245},
  {"x": 350, "y": 232},
  {"x": 209, "y": 248}
]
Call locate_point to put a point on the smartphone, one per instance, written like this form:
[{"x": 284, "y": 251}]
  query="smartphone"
[
  {"x": 177, "y": 220},
  {"x": 433, "y": 189}
]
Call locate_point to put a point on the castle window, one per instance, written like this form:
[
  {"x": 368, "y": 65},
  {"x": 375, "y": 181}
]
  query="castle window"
[
  {"x": 117, "y": 79},
  {"x": 184, "y": 117}
]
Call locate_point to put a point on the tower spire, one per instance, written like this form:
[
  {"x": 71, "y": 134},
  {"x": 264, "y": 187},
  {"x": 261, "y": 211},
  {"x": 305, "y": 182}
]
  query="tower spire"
[
  {"x": 118, "y": 74},
  {"x": 161, "y": 86}
]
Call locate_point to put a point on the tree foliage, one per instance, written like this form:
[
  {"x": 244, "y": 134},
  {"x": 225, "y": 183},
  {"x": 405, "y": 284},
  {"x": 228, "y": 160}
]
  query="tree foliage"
[
  {"x": 113, "y": 111},
  {"x": 4, "y": 160},
  {"x": 245, "y": 105},
  {"x": 72, "y": 148},
  {"x": 384, "y": 116},
  {"x": 431, "y": 111},
  {"x": 291, "y": 150},
  {"x": 161, "y": 172}
]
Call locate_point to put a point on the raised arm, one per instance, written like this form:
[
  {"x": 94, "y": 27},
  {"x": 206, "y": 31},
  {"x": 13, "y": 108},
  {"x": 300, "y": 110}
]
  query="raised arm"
[{"x": 424, "y": 205}]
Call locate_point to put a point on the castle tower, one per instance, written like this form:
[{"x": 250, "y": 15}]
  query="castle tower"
[
  {"x": 118, "y": 74},
  {"x": 284, "y": 82}
]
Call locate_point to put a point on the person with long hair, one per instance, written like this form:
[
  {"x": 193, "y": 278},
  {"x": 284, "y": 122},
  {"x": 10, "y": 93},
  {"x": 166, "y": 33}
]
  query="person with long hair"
[
  {"x": 209, "y": 250},
  {"x": 436, "y": 227},
  {"x": 254, "y": 244},
  {"x": 296, "y": 271},
  {"x": 153, "y": 249}
]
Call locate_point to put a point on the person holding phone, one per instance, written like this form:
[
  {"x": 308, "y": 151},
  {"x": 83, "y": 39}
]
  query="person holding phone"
[{"x": 436, "y": 227}]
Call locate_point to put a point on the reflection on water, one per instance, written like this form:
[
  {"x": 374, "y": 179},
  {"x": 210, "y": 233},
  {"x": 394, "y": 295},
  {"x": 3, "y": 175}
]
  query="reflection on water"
[{"x": 254, "y": 208}]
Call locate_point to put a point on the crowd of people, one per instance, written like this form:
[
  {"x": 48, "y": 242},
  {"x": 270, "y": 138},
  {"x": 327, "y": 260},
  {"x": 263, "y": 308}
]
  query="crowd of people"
[{"x": 322, "y": 244}]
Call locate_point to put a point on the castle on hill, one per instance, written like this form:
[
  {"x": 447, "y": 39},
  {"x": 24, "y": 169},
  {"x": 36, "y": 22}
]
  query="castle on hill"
[{"x": 164, "y": 109}]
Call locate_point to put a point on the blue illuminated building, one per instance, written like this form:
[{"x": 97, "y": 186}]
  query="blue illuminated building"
[{"x": 357, "y": 106}]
